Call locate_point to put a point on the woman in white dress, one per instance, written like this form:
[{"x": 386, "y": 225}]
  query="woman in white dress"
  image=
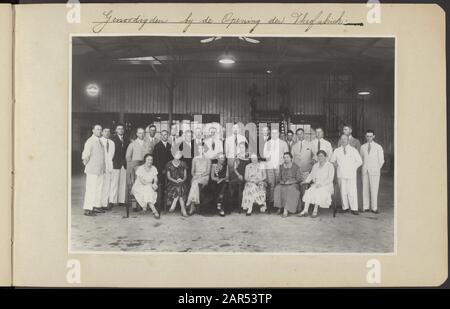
[
  {"x": 146, "y": 184},
  {"x": 201, "y": 168},
  {"x": 321, "y": 177}
]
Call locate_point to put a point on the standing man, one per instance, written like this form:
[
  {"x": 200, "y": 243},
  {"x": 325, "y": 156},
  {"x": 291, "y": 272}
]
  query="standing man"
[
  {"x": 319, "y": 143},
  {"x": 264, "y": 137},
  {"x": 303, "y": 154},
  {"x": 119, "y": 173},
  {"x": 162, "y": 155},
  {"x": 232, "y": 145},
  {"x": 290, "y": 140},
  {"x": 273, "y": 152},
  {"x": 354, "y": 142},
  {"x": 108, "y": 146},
  {"x": 214, "y": 144},
  {"x": 373, "y": 160},
  {"x": 174, "y": 137},
  {"x": 347, "y": 160},
  {"x": 135, "y": 156},
  {"x": 150, "y": 138},
  {"x": 93, "y": 158},
  {"x": 198, "y": 140}
]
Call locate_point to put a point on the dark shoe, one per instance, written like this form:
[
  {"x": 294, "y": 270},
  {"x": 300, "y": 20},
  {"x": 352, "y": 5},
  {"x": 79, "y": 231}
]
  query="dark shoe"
[
  {"x": 105, "y": 209},
  {"x": 89, "y": 213},
  {"x": 374, "y": 211},
  {"x": 98, "y": 210},
  {"x": 355, "y": 213},
  {"x": 343, "y": 211},
  {"x": 156, "y": 215}
]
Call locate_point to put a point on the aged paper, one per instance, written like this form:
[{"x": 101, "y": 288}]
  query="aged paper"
[
  {"x": 42, "y": 81},
  {"x": 6, "y": 23}
]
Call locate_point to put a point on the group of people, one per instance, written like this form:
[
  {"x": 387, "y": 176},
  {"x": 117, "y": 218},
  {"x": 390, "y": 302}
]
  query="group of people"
[{"x": 286, "y": 175}]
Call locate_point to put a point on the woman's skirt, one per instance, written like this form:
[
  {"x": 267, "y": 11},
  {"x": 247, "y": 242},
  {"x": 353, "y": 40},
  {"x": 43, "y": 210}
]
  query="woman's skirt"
[
  {"x": 253, "y": 193},
  {"x": 287, "y": 197},
  {"x": 144, "y": 194},
  {"x": 318, "y": 196},
  {"x": 194, "y": 193},
  {"x": 176, "y": 190},
  {"x": 218, "y": 191}
]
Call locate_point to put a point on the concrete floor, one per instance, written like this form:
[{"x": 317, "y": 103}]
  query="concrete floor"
[{"x": 346, "y": 233}]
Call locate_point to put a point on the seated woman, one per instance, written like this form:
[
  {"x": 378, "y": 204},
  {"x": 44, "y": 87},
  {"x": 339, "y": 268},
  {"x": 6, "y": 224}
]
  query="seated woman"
[
  {"x": 237, "y": 174},
  {"x": 255, "y": 186},
  {"x": 146, "y": 184},
  {"x": 320, "y": 192},
  {"x": 219, "y": 181},
  {"x": 201, "y": 167},
  {"x": 176, "y": 183},
  {"x": 287, "y": 191}
]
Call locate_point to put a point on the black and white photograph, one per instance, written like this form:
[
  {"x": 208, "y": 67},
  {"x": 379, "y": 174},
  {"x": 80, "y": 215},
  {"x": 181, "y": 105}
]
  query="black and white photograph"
[{"x": 257, "y": 144}]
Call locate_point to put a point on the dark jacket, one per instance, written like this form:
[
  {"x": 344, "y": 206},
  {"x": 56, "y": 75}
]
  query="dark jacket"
[
  {"x": 119, "y": 160},
  {"x": 161, "y": 156}
]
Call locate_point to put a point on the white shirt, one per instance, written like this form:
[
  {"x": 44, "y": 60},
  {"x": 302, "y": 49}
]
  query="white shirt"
[
  {"x": 109, "y": 147},
  {"x": 347, "y": 163},
  {"x": 373, "y": 161},
  {"x": 218, "y": 147},
  {"x": 324, "y": 145},
  {"x": 140, "y": 141},
  {"x": 273, "y": 152},
  {"x": 231, "y": 147}
]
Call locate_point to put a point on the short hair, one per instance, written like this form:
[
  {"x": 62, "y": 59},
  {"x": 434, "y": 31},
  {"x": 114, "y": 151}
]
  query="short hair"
[
  {"x": 152, "y": 126},
  {"x": 348, "y": 126},
  {"x": 120, "y": 125},
  {"x": 146, "y": 156},
  {"x": 319, "y": 128},
  {"x": 290, "y": 131},
  {"x": 164, "y": 131},
  {"x": 370, "y": 131},
  {"x": 322, "y": 152},
  {"x": 288, "y": 153},
  {"x": 106, "y": 128},
  {"x": 139, "y": 128},
  {"x": 299, "y": 129},
  {"x": 97, "y": 124}
]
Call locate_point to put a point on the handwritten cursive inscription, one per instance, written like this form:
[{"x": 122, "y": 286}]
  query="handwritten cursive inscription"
[{"x": 307, "y": 20}]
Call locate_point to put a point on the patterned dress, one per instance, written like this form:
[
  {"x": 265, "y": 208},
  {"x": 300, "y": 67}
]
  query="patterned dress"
[
  {"x": 175, "y": 190},
  {"x": 255, "y": 187}
]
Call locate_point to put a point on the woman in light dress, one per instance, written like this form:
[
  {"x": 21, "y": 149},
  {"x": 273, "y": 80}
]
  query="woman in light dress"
[
  {"x": 201, "y": 167},
  {"x": 255, "y": 186},
  {"x": 321, "y": 177},
  {"x": 146, "y": 184}
]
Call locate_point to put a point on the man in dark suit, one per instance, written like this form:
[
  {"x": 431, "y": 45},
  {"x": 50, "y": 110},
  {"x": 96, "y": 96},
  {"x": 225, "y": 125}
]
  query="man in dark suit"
[
  {"x": 162, "y": 154},
  {"x": 119, "y": 173},
  {"x": 187, "y": 150},
  {"x": 197, "y": 140}
]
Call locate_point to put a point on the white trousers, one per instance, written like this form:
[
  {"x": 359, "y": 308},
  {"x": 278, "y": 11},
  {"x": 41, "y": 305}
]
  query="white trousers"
[
  {"x": 118, "y": 185},
  {"x": 93, "y": 194},
  {"x": 370, "y": 191},
  {"x": 349, "y": 193},
  {"x": 106, "y": 189}
]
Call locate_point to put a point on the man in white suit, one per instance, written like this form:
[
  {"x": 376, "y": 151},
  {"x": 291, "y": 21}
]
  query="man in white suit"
[
  {"x": 109, "y": 147},
  {"x": 274, "y": 150},
  {"x": 373, "y": 160},
  {"x": 347, "y": 160},
  {"x": 93, "y": 158}
]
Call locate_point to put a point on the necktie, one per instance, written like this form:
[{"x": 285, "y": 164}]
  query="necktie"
[
  {"x": 235, "y": 145},
  {"x": 107, "y": 146},
  {"x": 345, "y": 151},
  {"x": 318, "y": 145},
  {"x": 301, "y": 146},
  {"x": 368, "y": 150},
  {"x": 213, "y": 145}
]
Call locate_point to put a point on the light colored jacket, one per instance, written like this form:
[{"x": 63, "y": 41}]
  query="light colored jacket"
[
  {"x": 109, "y": 147},
  {"x": 347, "y": 163},
  {"x": 303, "y": 155},
  {"x": 136, "y": 151},
  {"x": 93, "y": 156},
  {"x": 274, "y": 153},
  {"x": 373, "y": 161}
]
